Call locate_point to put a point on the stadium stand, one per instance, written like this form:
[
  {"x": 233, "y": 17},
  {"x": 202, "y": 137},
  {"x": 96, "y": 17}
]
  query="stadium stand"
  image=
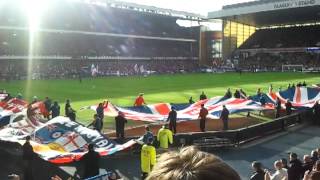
[{"x": 113, "y": 38}]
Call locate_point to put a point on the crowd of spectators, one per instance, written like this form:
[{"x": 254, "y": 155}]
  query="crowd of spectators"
[
  {"x": 55, "y": 69},
  {"x": 306, "y": 169},
  {"x": 274, "y": 62}
]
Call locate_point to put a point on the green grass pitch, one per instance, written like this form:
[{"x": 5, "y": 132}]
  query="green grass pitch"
[{"x": 158, "y": 88}]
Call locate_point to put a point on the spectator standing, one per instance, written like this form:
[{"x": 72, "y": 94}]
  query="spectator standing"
[
  {"x": 148, "y": 158},
  {"x": 202, "y": 96},
  {"x": 314, "y": 156},
  {"x": 47, "y": 105},
  {"x": 295, "y": 167},
  {"x": 100, "y": 110},
  {"x": 69, "y": 112},
  {"x": 28, "y": 156},
  {"x": 120, "y": 123},
  {"x": 262, "y": 102},
  {"x": 280, "y": 174},
  {"x": 278, "y": 107},
  {"x": 307, "y": 164},
  {"x": 237, "y": 94},
  {"x": 91, "y": 162},
  {"x": 191, "y": 100},
  {"x": 139, "y": 101},
  {"x": 243, "y": 95},
  {"x": 55, "y": 109},
  {"x": 316, "y": 112},
  {"x": 228, "y": 94},
  {"x": 224, "y": 116},
  {"x": 258, "y": 171},
  {"x": 172, "y": 118},
  {"x": 203, "y": 116},
  {"x": 165, "y": 137},
  {"x": 288, "y": 107}
]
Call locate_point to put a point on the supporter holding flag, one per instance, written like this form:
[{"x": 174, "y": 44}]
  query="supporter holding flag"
[
  {"x": 203, "y": 116},
  {"x": 237, "y": 94},
  {"x": 100, "y": 110},
  {"x": 191, "y": 100},
  {"x": 91, "y": 162},
  {"x": 228, "y": 94},
  {"x": 55, "y": 109},
  {"x": 139, "y": 101},
  {"x": 225, "y": 117},
  {"x": 96, "y": 123},
  {"x": 288, "y": 107},
  {"x": 165, "y": 137},
  {"x": 148, "y": 158},
  {"x": 172, "y": 118},
  {"x": 120, "y": 123},
  {"x": 69, "y": 112},
  {"x": 28, "y": 156},
  {"x": 47, "y": 105},
  {"x": 278, "y": 107},
  {"x": 202, "y": 96}
]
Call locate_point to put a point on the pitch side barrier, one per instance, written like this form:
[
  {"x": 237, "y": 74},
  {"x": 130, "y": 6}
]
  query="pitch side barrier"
[{"x": 239, "y": 136}]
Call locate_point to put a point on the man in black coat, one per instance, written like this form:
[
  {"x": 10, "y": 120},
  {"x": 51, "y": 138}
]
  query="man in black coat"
[
  {"x": 202, "y": 96},
  {"x": 288, "y": 107},
  {"x": 224, "y": 117},
  {"x": 28, "y": 156},
  {"x": 55, "y": 109},
  {"x": 295, "y": 168},
  {"x": 278, "y": 107},
  {"x": 258, "y": 171},
  {"x": 316, "y": 113},
  {"x": 47, "y": 104},
  {"x": 91, "y": 162},
  {"x": 96, "y": 123},
  {"x": 100, "y": 110},
  {"x": 120, "y": 123},
  {"x": 172, "y": 118}
]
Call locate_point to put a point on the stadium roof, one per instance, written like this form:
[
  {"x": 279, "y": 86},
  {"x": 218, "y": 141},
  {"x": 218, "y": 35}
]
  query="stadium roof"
[
  {"x": 270, "y": 12},
  {"x": 145, "y": 8}
]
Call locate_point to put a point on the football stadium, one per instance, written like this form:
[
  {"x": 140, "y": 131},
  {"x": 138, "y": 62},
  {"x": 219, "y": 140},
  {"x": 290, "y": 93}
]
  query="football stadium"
[{"x": 108, "y": 89}]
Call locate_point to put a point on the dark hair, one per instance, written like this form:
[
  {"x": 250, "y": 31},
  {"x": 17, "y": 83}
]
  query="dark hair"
[
  {"x": 256, "y": 165},
  {"x": 28, "y": 138}
]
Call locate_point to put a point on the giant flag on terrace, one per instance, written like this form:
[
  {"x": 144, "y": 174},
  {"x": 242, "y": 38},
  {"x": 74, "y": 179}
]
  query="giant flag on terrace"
[{"x": 60, "y": 140}]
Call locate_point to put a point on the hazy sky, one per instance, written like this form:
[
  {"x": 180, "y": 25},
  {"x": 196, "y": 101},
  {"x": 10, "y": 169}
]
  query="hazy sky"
[{"x": 196, "y": 6}]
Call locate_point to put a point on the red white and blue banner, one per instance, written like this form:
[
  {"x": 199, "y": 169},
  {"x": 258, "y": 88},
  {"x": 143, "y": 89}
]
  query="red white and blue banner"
[
  {"x": 60, "y": 140},
  {"x": 159, "y": 112},
  {"x": 9, "y": 110}
]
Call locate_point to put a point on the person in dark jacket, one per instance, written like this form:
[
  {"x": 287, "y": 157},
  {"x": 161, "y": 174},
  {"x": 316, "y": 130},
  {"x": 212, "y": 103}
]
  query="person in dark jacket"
[
  {"x": 288, "y": 107},
  {"x": 202, "y": 96},
  {"x": 28, "y": 156},
  {"x": 191, "y": 101},
  {"x": 237, "y": 94},
  {"x": 224, "y": 116},
  {"x": 91, "y": 162},
  {"x": 228, "y": 94},
  {"x": 55, "y": 109},
  {"x": 148, "y": 135},
  {"x": 258, "y": 171},
  {"x": 314, "y": 156},
  {"x": 96, "y": 123},
  {"x": 203, "y": 117},
  {"x": 295, "y": 171},
  {"x": 278, "y": 107},
  {"x": 47, "y": 105},
  {"x": 120, "y": 123},
  {"x": 307, "y": 163},
  {"x": 172, "y": 118},
  {"x": 69, "y": 112},
  {"x": 316, "y": 113},
  {"x": 100, "y": 110}
]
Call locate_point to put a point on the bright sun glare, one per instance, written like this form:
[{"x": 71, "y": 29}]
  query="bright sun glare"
[{"x": 34, "y": 10}]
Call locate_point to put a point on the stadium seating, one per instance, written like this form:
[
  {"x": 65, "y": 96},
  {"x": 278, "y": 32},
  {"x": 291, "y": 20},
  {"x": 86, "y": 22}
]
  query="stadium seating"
[{"x": 301, "y": 36}]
